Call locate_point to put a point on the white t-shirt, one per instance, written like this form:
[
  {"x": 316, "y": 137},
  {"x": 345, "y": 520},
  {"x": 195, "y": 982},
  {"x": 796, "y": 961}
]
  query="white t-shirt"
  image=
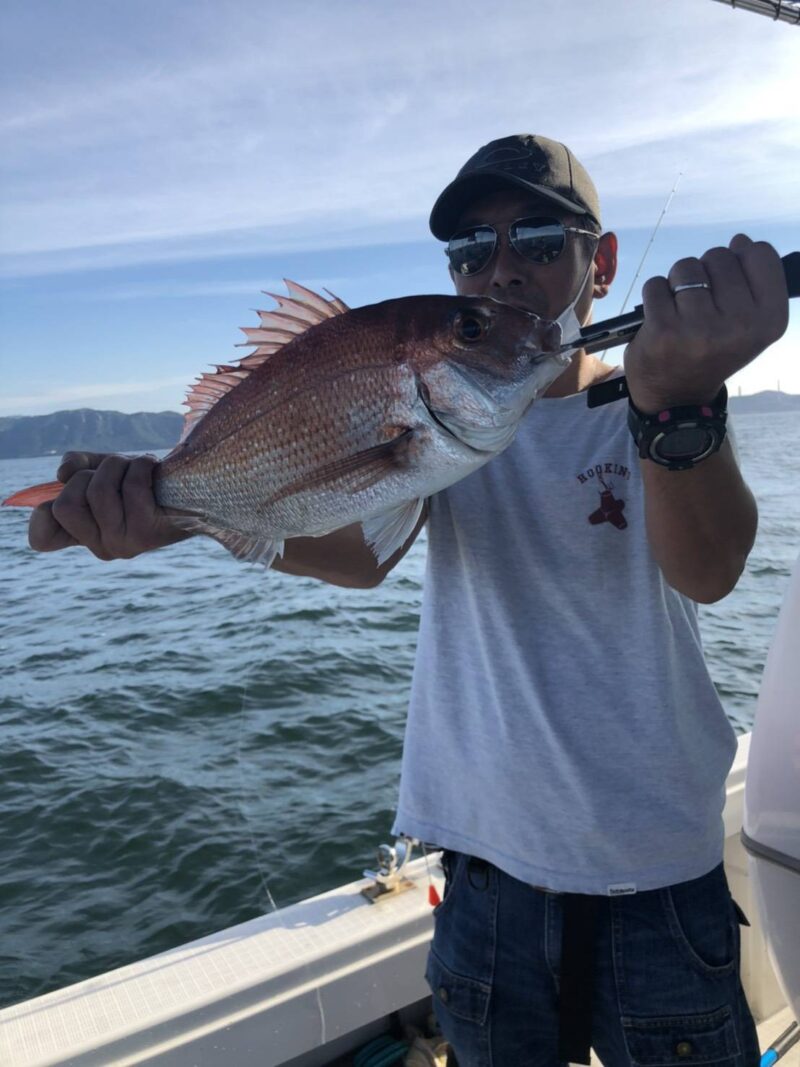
[{"x": 563, "y": 724}]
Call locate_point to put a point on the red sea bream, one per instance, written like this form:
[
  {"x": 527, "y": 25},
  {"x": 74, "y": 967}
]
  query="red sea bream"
[{"x": 342, "y": 416}]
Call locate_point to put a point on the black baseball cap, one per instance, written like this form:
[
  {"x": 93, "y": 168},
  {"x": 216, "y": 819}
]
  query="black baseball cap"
[{"x": 524, "y": 160}]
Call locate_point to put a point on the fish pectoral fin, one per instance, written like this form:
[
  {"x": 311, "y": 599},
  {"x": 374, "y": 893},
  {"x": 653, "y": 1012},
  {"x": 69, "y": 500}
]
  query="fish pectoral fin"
[
  {"x": 390, "y": 530},
  {"x": 358, "y": 471},
  {"x": 247, "y": 547}
]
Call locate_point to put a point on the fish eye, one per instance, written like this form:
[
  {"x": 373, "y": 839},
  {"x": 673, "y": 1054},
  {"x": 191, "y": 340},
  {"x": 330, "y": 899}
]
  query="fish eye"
[{"x": 471, "y": 327}]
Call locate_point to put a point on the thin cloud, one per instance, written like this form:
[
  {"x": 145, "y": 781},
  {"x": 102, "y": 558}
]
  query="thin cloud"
[
  {"x": 249, "y": 134},
  {"x": 218, "y": 245},
  {"x": 257, "y": 289},
  {"x": 362, "y": 120},
  {"x": 75, "y": 395}
]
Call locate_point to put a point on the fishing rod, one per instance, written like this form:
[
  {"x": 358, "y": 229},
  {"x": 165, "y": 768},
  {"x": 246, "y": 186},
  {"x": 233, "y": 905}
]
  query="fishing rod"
[
  {"x": 620, "y": 330},
  {"x": 664, "y": 210},
  {"x": 783, "y": 10}
]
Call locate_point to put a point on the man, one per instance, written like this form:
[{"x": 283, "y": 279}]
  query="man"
[{"x": 565, "y": 745}]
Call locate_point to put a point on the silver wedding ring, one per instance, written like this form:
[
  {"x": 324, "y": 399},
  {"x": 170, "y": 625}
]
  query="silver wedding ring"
[{"x": 691, "y": 285}]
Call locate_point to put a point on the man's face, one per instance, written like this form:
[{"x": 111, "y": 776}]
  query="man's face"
[{"x": 546, "y": 289}]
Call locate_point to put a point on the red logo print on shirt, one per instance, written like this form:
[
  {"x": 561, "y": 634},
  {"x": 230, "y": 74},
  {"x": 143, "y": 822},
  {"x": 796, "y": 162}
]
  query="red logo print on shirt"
[{"x": 611, "y": 507}]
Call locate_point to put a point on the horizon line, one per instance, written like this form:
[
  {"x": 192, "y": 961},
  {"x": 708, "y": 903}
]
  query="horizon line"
[{"x": 182, "y": 414}]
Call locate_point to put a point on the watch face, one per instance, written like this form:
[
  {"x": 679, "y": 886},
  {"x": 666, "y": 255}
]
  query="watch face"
[{"x": 684, "y": 442}]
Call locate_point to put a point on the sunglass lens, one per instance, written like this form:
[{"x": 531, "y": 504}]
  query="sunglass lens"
[
  {"x": 470, "y": 250},
  {"x": 539, "y": 240}
]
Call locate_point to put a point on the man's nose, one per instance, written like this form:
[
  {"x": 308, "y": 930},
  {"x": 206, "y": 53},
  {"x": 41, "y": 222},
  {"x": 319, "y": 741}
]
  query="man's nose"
[{"x": 506, "y": 265}]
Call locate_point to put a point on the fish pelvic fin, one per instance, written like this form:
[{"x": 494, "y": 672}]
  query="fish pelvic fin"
[
  {"x": 247, "y": 547},
  {"x": 250, "y": 549},
  {"x": 389, "y": 531},
  {"x": 295, "y": 314},
  {"x": 34, "y": 495}
]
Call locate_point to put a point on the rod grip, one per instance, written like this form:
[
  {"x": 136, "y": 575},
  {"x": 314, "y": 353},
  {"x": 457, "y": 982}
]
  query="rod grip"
[{"x": 617, "y": 388}]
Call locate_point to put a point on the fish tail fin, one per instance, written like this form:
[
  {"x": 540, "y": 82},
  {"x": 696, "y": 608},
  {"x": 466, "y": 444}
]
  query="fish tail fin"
[{"x": 34, "y": 495}]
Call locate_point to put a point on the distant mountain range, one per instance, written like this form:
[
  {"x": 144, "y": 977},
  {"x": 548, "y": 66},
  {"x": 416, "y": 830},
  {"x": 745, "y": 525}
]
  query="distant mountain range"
[
  {"x": 769, "y": 400},
  {"x": 87, "y": 430}
]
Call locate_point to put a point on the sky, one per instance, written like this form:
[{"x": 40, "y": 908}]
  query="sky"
[{"x": 164, "y": 163}]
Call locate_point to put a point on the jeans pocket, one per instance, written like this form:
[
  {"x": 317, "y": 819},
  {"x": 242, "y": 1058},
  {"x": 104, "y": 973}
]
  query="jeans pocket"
[
  {"x": 665, "y": 1041},
  {"x": 461, "y": 1008},
  {"x": 703, "y": 923},
  {"x": 465, "y": 998}
]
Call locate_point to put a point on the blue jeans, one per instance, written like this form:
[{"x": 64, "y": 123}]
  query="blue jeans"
[{"x": 666, "y": 987}]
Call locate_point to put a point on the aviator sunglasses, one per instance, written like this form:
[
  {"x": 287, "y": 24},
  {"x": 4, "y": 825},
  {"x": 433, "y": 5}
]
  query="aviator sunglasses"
[{"x": 538, "y": 239}]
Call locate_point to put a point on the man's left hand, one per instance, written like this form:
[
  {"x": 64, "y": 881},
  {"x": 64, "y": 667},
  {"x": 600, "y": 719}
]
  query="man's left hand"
[{"x": 693, "y": 340}]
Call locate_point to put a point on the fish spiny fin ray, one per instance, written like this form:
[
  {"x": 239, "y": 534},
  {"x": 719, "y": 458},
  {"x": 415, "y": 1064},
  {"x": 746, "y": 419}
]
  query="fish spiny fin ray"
[
  {"x": 243, "y": 546},
  {"x": 296, "y": 313}
]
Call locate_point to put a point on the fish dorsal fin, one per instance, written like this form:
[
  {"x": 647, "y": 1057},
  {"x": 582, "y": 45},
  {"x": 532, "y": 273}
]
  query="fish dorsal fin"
[{"x": 296, "y": 313}]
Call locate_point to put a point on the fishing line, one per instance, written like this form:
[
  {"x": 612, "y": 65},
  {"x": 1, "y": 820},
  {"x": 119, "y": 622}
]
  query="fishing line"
[
  {"x": 649, "y": 243},
  {"x": 261, "y": 592},
  {"x": 243, "y": 810},
  {"x": 647, "y": 249}
]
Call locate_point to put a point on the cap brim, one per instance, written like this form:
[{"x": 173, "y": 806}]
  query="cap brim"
[{"x": 462, "y": 191}]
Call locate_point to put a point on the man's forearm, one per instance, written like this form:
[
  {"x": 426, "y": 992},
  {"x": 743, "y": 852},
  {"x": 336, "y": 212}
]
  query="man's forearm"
[
  {"x": 701, "y": 524},
  {"x": 342, "y": 557}
]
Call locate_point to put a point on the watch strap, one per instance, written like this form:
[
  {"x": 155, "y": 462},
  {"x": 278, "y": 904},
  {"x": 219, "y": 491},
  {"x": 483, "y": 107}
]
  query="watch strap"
[{"x": 649, "y": 430}]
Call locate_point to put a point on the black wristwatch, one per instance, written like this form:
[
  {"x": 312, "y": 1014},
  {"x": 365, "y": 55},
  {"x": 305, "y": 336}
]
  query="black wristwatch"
[{"x": 678, "y": 438}]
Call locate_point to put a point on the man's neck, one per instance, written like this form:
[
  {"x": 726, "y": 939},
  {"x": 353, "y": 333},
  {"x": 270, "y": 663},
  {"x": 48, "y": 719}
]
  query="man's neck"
[{"x": 583, "y": 371}]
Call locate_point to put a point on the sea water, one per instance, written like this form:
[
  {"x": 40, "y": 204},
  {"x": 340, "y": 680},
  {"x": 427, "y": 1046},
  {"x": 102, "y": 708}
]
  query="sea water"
[{"x": 189, "y": 742}]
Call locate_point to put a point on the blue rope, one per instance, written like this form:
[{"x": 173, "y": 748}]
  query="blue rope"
[{"x": 381, "y": 1052}]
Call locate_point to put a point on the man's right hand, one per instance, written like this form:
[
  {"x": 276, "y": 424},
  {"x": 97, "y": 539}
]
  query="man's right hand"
[{"x": 107, "y": 505}]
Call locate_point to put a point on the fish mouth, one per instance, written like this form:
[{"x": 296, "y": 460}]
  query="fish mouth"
[
  {"x": 532, "y": 344},
  {"x": 531, "y": 308},
  {"x": 551, "y": 340},
  {"x": 526, "y": 309}
]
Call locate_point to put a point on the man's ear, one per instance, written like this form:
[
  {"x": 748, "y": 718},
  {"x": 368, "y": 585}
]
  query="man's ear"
[{"x": 605, "y": 264}]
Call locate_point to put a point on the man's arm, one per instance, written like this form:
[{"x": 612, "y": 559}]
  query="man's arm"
[
  {"x": 701, "y": 523},
  {"x": 342, "y": 557},
  {"x": 107, "y": 505}
]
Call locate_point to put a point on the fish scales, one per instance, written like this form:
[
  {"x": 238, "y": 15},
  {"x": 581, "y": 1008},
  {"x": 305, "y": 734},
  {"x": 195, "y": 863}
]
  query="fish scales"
[{"x": 293, "y": 413}]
